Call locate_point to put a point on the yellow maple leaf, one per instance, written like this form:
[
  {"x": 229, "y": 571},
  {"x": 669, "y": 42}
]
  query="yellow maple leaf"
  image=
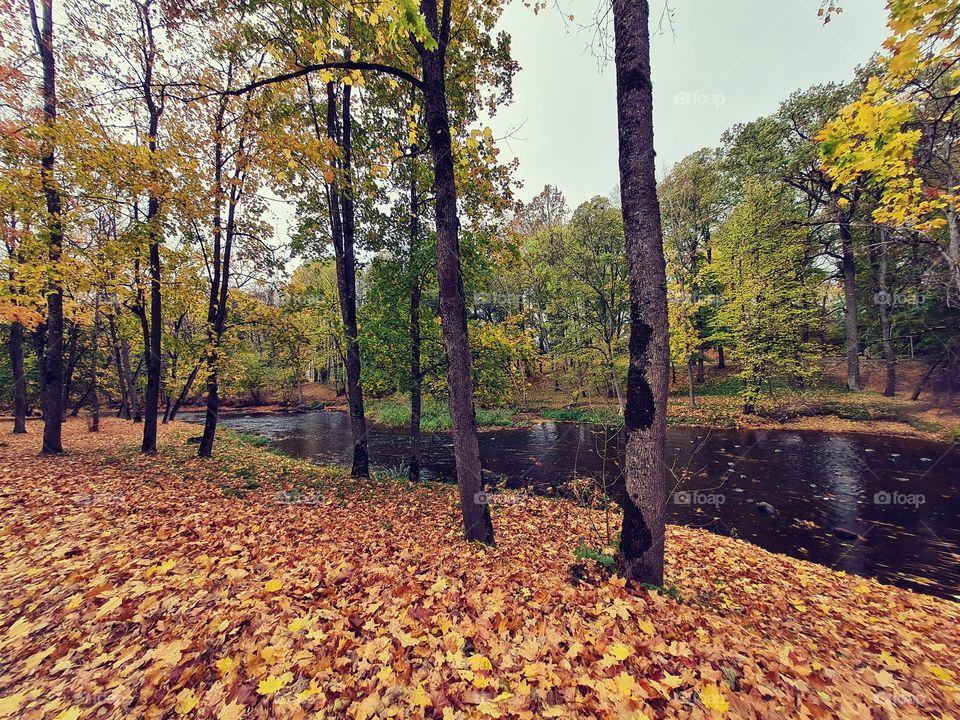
[
  {"x": 479, "y": 662},
  {"x": 646, "y": 625},
  {"x": 624, "y": 684},
  {"x": 713, "y": 699},
  {"x": 71, "y": 713},
  {"x": 419, "y": 697},
  {"x": 272, "y": 586},
  {"x": 274, "y": 683},
  {"x": 186, "y": 701},
  {"x": 488, "y": 708},
  {"x": 20, "y": 628},
  {"x": 109, "y": 606},
  {"x": 940, "y": 673},
  {"x": 226, "y": 664},
  {"x": 232, "y": 711},
  {"x": 73, "y": 602},
  {"x": 619, "y": 651},
  {"x": 10, "y": 704}
]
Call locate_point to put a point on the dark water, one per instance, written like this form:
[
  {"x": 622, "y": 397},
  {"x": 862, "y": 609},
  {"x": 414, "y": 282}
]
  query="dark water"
[{"x": 877, "y": 506}]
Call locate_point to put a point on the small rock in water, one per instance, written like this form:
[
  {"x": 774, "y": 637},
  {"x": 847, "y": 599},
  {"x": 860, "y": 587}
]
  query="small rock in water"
[
  {"x": 868, "y": 450},
  {"x": 778, "y": 450},
  {"x": 926, "y": 459},
  {"x": 766, "y": 508},
  {"x": 845, "y": 534}
]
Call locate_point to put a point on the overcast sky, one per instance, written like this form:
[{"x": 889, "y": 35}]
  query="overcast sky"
[{"x": 724, "y": 62}]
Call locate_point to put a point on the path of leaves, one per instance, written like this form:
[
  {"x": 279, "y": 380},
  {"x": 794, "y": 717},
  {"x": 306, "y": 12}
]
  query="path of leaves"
[{"x": 164, "y": 587}]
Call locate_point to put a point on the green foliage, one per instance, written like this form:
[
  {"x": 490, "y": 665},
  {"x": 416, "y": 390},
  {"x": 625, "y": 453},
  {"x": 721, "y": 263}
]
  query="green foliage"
[{"x": 770, "y": 299}]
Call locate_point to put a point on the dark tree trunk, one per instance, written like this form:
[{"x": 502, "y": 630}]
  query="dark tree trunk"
[
  {"x": 926, "y": 375},
  {"x": 642, "y": 537},
  {"x": 416, "y": 379},
  {"x": 721, "y": 361},
  {"x": 884, "y": 300},
  {"x": 184, "y": 391},
  {"x": 154, "y": 360},
  {"x": 342, "y": 209},
  {"x": 848, "y": 267},
  {"x": 19, "y": 391},
  {"x": 690, "y": 381},
  {"x": 51, "y": 367},
  {"x": 477, "y": 523},
  {"x": 73, "y": 356},
  {"x": 15, "y": 346},
  {"x": 124, "y": 409},
  {"x": 94, "y": 368},
  {"x": 220, "y": 283}
]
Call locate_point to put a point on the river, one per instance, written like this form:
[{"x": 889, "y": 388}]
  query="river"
[{"x": 877, "y": 506}]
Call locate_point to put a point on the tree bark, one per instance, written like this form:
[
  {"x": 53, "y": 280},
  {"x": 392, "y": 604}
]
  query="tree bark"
[
  {"x": 692, "y": 397},
  {"x": 51, "y": 367},
  {"x": 94, "y": 367},
  {"x": 884, "y": 299},
  {"x": 926, "y": 375},
  {"x": 155, "y": 237},
  {"x": 700, "y": 366},
  {"x": 19, "y": 391},
  {"x": 343, "y": 205},
  {"x": 848, "y": 267},
  {"x": 184, "y": 391},
  {"x": 642, "y": 536},
  {"x": 721, "y": 361},
  {"x": 416, "y": 379},
  {"x": 477, "y": 522}
]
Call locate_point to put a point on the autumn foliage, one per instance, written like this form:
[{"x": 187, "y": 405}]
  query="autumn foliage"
[{"x": 148, "y": 587}]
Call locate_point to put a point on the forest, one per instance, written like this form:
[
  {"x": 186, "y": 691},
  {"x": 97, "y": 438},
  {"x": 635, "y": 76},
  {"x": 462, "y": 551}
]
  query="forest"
[{"x": 228, "y": 224}]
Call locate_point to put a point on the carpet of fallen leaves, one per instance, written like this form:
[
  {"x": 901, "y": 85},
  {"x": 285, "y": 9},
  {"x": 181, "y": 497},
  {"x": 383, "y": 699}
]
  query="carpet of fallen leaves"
[{"x": 171, "y": 587}]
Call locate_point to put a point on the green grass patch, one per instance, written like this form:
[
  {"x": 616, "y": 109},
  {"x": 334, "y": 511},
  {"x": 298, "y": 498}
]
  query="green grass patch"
[
  {"x": 594, "y": 417},
  {"x": 434, "y": 415}
]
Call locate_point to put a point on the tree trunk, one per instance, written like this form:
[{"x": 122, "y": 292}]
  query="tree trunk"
[
  {"x": 342, "y": 206},
  {"x": 884, "y": 300},
  {"x": 453, "y": 312},
  {"x": 721, "y": 361},
  {"x": 73, "y": 356},
  {"x": 51, "y": 367},
  {"x": 416, "y": 379},
  {"x": 848, "y": 267},
  {"x": 94, "y": 368},
  {"x": 690, "y": 381},
  {"x": 184, "y": 391},
  {"x": 642, "y": 536},
  {"x": 926, "y": 375},
  {"x": 19, "y": 390}
]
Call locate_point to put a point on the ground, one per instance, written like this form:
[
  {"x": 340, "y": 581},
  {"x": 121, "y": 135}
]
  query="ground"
[{"x": 255, "y": 585}]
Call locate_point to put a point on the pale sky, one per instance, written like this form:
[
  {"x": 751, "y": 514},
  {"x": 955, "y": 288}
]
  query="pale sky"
[{"x": 724, "y": 62}]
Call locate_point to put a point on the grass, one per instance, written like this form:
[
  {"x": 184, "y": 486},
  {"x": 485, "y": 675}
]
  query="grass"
[
  {"x": 434, "y": 415},
  {"x": 596, "y": 417}
]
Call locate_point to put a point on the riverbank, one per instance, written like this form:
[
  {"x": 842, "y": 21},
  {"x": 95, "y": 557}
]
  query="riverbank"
[{"x": 256, "y": 585}]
